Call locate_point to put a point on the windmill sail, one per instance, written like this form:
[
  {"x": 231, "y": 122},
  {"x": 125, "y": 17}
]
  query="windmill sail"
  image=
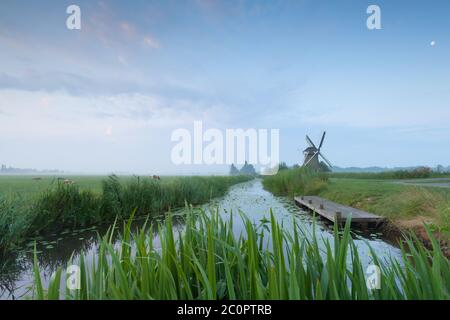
[
  {"x": 310, "y": 142},
  {"x": 321, "y": 141},
  {"x": 325, "y": 159}
]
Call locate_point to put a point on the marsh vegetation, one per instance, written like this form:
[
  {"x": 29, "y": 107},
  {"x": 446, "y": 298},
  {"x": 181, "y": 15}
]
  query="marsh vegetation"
[
  {"x": 63, "y": 206},
  {"x": 207, "y": 260}
]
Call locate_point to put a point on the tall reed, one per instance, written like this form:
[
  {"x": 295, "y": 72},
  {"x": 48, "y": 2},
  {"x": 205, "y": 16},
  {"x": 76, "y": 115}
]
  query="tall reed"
[
  {"x": 207, "y": 261},
  {"x": 296, "y": 181}
]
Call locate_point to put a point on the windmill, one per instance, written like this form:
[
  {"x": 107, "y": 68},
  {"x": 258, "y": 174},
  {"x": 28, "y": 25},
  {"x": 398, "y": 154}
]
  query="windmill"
[{"x": 312, "y": 154}]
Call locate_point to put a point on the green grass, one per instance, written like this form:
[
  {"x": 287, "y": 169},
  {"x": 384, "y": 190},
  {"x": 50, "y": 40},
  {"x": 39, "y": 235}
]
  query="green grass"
[
  {"x": 25, "y": 186},
  {"x": 397, "y": 202},
  {"x": 393, "y": 201},
  {"x": 207, "y": 261},
  {"x": 295, "y": 181},
  {"x": 70, "y": 206},
  {"x": 426, "y": 181},
  {"x": 391, "y": 175}
]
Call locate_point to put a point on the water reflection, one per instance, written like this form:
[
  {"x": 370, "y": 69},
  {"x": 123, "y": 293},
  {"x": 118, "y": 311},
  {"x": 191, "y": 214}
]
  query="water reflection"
[{"x": 256, "y": 203}]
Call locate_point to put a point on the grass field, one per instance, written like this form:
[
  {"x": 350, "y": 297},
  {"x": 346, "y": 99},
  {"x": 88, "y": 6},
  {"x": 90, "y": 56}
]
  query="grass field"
[
  {"x": 207, "y": 261},
  {"x": 25, "y": 186},
  {"x": 396, "y": 202},
  {"x": 391, "y": 175},
  {"x": 382, "y": 196}
]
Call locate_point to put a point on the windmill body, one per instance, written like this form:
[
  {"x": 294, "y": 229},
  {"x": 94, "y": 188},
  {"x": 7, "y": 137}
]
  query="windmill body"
[
  {"x": 312, "y": 154},
  {"x": 311, "y": 158}
]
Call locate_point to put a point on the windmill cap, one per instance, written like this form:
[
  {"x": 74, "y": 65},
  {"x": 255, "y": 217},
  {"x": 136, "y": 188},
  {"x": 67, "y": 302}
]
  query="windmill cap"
[{"x": 310, "y": 149}]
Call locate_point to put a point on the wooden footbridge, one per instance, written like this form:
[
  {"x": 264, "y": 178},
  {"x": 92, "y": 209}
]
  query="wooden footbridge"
[{"x": 336, "y": 212}]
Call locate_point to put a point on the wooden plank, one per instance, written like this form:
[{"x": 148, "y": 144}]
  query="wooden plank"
[{"x": 336, "y": 212}]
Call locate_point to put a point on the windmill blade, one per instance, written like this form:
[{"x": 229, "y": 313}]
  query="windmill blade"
[
  {"x": 323, "y": 138},
  {"x": 310, "y": 142},
  {"x": 312, "y": 157},
  {"x": 326, "y": 160}
]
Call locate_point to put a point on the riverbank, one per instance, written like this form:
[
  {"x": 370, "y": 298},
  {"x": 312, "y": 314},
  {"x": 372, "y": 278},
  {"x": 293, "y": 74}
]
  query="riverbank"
[
  {"x": 63, "y": 206},
  {"x": 407, "y": 207}
]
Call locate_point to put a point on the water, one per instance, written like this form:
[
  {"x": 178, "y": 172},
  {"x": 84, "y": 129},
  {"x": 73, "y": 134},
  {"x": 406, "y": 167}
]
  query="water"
[{"x": 16, "y": 274}]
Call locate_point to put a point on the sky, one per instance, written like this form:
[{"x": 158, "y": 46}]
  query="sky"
[{"x": 107, "y": 98}]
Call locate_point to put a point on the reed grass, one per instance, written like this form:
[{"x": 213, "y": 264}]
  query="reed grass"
[
  {"x": 296, "y": 181},
  {"x": 14, "y": 221},
  {"x": 69, "y": 206},
  {"x": 206, "y": 260}
]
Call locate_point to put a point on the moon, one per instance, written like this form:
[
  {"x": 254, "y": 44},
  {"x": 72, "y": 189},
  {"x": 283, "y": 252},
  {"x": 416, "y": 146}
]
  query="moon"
[{"x": 433, "y": 43}]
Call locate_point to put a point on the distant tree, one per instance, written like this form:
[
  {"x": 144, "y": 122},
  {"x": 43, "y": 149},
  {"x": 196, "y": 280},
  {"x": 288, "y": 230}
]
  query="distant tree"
[
  {"x": 296, "y": 166},
  {"x": 440, "y": 168},
  {"x": 282, "y": 166},
  {"x": 324, "y": 167},
  {"x": 233, "y": 170},
  {"x": 421, "y": 172},
  {"x": 248, "y": 169}
]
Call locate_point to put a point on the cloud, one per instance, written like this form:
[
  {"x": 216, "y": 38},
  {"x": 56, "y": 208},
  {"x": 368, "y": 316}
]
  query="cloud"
[
  {"x": 72, "y": 83},
  {"x": 58, "y": 115},
  {"x": 109, "y": 131},
  {"x": 126, "y": 98},
  {"x": 113, "y": 32},
  {"x": 127, "y": 28},
  {"x": 150, "y": 42},
  {"x": 378, "y": 117},
  {"x": 122, "y": 60}
]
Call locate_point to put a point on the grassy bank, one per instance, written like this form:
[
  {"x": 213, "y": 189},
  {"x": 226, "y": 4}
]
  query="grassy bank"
[
  {"x": 71, "y": 206},
  {"x": 207, "y": 261},
  {"x": 406, "y": 207},
  {"x": 295, "y": 181}
]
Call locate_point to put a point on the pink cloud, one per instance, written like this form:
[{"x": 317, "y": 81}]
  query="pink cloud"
[{"x": 127, "y": 28}]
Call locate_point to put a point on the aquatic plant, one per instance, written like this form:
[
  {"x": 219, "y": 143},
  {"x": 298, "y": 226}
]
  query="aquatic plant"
[{"x": 206, "y": 260}]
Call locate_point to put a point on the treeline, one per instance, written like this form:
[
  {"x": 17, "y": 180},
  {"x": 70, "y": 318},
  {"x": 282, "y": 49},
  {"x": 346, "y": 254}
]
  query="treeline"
[
  {"x": 247, "y": 169},
  {"x": 67, "y": 206},
  {"x": 418, "y": 173}
]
